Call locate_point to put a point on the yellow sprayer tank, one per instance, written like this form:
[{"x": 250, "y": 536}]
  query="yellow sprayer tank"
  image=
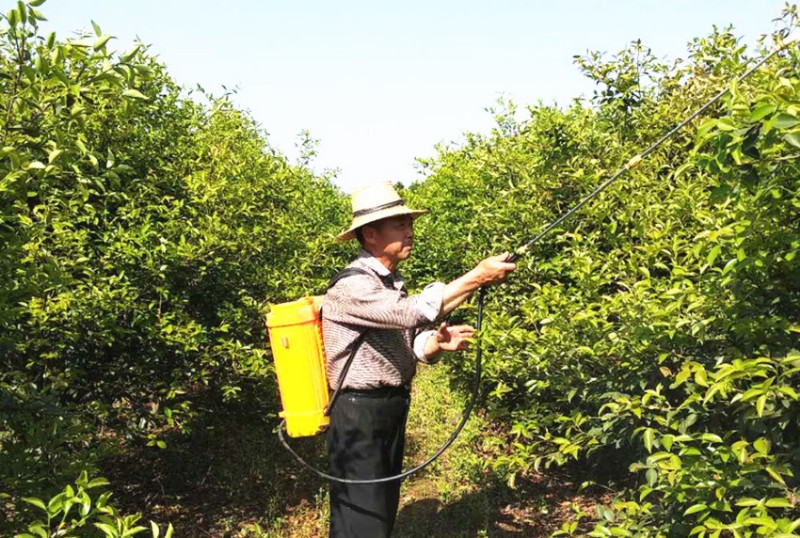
[{"x": 295, "y": 335}]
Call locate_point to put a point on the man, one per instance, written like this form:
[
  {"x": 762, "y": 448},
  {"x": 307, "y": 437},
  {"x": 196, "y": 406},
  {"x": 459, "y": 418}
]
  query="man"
[{"x": 367, "y": 430}]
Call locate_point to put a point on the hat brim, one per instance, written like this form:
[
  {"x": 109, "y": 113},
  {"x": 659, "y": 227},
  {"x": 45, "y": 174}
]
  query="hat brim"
[{"x": 358, "y": 222}]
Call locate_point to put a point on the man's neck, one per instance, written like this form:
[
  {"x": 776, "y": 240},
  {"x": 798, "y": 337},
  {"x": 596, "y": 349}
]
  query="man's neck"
[{"x": 387, "y": 262}]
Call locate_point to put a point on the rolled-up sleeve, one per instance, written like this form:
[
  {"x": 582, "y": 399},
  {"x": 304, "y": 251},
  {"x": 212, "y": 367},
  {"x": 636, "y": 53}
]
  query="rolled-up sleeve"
[
  {"x": 419, "y": 347},
  {"x": 430, "y": 300}
]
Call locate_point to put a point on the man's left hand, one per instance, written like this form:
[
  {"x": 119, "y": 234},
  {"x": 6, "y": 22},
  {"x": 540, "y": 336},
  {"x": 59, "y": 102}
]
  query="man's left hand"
[{"x": 454, "y": 338}]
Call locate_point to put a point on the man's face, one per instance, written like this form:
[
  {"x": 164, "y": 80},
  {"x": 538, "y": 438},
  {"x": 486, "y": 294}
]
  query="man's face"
[{"x": 394, "y": 237}]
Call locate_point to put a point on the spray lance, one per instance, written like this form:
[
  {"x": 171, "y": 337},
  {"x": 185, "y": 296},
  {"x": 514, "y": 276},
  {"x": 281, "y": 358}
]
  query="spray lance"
[
  {"x": 521, "y": 251},
  {"x": 636, "y": 160}
]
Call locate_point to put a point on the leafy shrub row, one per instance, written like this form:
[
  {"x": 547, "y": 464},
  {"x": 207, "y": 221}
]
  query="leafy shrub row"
[
  {"x": 652, "y": 340},
  {"x": 143, "y": 231}
]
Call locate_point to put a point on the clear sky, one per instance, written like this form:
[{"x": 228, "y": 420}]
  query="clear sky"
[{"x": 382, "y": 82}]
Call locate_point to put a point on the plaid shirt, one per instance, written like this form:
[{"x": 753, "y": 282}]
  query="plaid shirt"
[{"x": 378, "y": 303}]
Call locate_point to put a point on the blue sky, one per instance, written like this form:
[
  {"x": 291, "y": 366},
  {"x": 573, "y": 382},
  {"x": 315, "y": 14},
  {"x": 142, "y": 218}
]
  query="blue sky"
[{"x": 380, "y": 83}]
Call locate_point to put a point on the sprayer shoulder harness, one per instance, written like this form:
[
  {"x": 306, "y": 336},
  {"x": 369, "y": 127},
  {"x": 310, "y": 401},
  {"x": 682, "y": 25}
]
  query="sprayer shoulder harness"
[{"x": 344, "y": 273}]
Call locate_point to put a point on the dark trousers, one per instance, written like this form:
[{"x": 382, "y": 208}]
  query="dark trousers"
[{"x": 365, "y": 440}]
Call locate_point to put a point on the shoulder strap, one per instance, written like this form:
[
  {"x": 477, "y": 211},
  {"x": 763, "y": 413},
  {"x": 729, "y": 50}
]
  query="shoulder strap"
[{"x": 344, "y": 273}]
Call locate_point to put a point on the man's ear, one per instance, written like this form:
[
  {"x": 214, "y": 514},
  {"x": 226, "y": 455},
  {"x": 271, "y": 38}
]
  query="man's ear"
[{"x": 369, "y": 232}]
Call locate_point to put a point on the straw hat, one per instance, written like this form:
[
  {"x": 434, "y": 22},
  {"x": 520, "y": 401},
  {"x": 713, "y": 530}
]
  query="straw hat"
[{"x": 375, "y": 202}]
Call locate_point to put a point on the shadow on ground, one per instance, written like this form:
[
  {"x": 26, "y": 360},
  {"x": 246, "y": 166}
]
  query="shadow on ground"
[
  {"x": 228, "y": 474},
  {"x": 536, "y": 507}
]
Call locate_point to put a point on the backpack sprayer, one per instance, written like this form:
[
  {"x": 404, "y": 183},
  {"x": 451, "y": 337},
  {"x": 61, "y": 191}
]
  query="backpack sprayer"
[{"x": 295, "y": 331}]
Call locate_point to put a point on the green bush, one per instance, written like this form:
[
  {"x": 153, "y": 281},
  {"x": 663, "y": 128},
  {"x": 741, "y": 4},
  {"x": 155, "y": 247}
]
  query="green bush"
[
  {"x": 93, "y": 515},
  {"x": 652, "y": 340},
  {"x": 144, "y": 229}
]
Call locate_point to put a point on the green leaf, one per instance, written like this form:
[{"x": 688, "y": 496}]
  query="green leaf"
[
  {"x": 130, "y": 54},
  {"x": 23, "y": 11},
  {"x": 761, "y": 110},
  {"x": 652, "y": 477},
  {"x": 762, "y": 446},
  {"x": 82, "y": 479},
  {"x": 101, "y": 42},
  {"x": 649, "y": 437},
  {"x": 792, "y": 139},
  {"x": 785, "y": 121},
  {"x": 53, "y": 155},
  {"x": 135, "y": 94},
  {"x": 729, "y": 266},
  {"x": 726, "y": 124},
  {"x": 760, "y": 404},
  {"x": 35, "y": 502},
  {"x": 97, "y": 482},
  {"x": 605, "y": 512},
  {"x": 711, "y": 438},
  {"x": 13, "y": 18},
  {"x": 38, "y": 528},
  {"x": 107, "y": 529},
  {"x": 56, "y": 504},
  {"x": 695, "y": 508},
  {"x": 778, "y": 502},
  {"x": 35, "y": 14},
  {"x": 713, "y": 254},
  {"x": 762, "y": 521},
  {"x": 133, "y": 531},
  {"x": 775, "y": 474}
]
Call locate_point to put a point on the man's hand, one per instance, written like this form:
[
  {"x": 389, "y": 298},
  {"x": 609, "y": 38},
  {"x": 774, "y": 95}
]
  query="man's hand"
[
  {"x": 491, "y": 270},
  {"x": 455, "y": 338},
  {"x": 494, "y": 269}
]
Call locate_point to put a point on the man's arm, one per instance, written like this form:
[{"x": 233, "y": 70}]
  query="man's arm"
[
  {"x": 362, "y": 300},
  {"x": 453, "y": 338},
  {"x": 491, "y": 270}
]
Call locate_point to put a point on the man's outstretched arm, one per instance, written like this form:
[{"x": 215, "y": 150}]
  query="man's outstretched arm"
[{"x": 491, "y": 270}]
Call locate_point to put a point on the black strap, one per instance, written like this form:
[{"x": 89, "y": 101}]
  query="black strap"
[
  {"x": 344, "y": 273},
  {"x": 338, "y": 391}
]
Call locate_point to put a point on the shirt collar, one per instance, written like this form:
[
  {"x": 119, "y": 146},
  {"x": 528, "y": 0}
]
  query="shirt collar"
[{"x": 374, "y": 263}]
